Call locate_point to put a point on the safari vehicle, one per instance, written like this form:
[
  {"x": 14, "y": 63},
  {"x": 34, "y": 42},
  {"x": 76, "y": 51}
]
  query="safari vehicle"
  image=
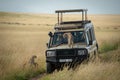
[{"x": 84, "y": 43}]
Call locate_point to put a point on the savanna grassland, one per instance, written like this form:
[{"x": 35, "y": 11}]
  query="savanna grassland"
[{"x": 23, "y": 35}]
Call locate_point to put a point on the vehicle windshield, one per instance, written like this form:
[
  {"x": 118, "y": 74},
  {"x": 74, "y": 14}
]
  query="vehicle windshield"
[{"x": 60, "y": 37}]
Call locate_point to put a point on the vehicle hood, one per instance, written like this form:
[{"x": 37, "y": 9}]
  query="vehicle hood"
[{"x": 65, "y": 46}]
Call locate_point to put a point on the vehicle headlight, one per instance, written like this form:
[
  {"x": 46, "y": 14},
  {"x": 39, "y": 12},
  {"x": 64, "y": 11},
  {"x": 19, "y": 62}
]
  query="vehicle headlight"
[
  {"x": 81, "y": 52},
  {"x": 51, "y": 53}
]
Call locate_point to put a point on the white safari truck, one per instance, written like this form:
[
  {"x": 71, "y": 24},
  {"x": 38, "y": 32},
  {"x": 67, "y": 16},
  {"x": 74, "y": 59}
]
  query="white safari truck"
[{"x": 78, "y": 44}]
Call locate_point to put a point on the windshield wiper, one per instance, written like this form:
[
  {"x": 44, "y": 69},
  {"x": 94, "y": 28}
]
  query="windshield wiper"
[{"x": 58, "y": 44}]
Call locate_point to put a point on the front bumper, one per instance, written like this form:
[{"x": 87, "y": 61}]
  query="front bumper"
[
  {"x": 66, "y": 59},
  {"x": 67, "y": 56}
]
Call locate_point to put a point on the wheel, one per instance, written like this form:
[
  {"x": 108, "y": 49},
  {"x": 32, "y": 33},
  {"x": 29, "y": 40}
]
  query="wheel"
[
  {"x": 96, "y": 54},
  {"x": 59, "y": 67},
  {"x": 50, "y": 67},
  {"x": 92, "y": 56}
]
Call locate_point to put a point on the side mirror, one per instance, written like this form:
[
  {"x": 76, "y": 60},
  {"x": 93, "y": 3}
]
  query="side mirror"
[
  {"x": 47, "y": 45},
  {"x": 90, "y": 42},
  {"x": 50, "y": 34}
]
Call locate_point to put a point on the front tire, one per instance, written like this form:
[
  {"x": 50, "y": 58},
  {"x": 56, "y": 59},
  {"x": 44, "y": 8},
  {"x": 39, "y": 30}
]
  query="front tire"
[{"x": 50, "y": 67}]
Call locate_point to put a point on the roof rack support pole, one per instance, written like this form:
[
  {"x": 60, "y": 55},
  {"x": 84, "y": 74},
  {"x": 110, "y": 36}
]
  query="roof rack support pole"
[
  {"x": 58, "y": 18},
  {"x": 82, "y": 16},
  {"x": 61, "y": 17},
  {"x": 85, "y": 15}
]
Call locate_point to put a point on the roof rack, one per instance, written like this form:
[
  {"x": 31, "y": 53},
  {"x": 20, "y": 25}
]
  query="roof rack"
[
  {"x": 74, "y": 10},
  {"x": 60, "y": 17},
  {"x": 71, "y": 25}
]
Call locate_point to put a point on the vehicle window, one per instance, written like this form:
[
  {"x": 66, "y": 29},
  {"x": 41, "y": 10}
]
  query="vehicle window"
[
  {"x": 58, "y": 38},
  {"x": 77, "y": 37},
  {"x": 89, "y": 36},
  {"x": 92, "y": 34}
]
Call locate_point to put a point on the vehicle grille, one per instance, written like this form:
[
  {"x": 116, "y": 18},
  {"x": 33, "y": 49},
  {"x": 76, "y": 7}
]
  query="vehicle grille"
[{"x": 66, "y": 52}]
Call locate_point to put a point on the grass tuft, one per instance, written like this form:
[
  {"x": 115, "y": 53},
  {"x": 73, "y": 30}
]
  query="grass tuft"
[{"x": 109, "y": 46}]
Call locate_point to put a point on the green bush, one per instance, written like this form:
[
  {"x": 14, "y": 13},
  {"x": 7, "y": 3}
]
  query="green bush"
[{"x": 109, "y": 46}]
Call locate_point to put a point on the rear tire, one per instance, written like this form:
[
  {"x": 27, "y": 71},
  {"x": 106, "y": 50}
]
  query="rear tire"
[{"x": 50, "y": 67}]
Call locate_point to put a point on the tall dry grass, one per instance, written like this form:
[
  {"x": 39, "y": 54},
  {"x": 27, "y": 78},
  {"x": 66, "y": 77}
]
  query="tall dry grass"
[
  {"x": 90, "y": 71},
  {"x": 104, "y": 68},
  {"x": 18, "y": 43},
  {"x": 24, "y": 35},
  {"x": 17, "y": 48}
]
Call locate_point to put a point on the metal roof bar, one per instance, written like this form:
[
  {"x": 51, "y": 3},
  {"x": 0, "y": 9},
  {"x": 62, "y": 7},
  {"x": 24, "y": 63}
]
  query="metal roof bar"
[
  {"x": 75, "y": 10},
  {"x": 60, "y": 14}
]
